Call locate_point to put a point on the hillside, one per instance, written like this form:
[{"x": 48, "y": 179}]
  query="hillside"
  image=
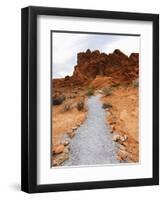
[{"x": 115, "y": 77}]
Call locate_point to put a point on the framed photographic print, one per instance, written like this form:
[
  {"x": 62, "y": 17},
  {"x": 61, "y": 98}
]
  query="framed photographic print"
[{"x": 90, "y": 99}]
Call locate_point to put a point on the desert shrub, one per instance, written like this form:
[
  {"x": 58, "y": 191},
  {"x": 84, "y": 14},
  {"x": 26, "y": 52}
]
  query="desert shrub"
[
  {"x": 126, "y": 85},
  {"x": 58, "y": 100},
  {"x": 135, "y": 83},
  {"x": 116, "y": 85},
  {"x": 106, "y": 105},
  {"x": 71, "y": 97},
  {"x": 107, "y": 91},
  {"x": 80, "y": 105},
  {"x": 66, "y": 107},
  {"x": 90, "y": 91}
]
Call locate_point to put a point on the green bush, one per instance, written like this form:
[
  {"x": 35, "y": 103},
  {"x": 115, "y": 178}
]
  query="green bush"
[
  {"x": 106, "y": 105},
  {"x": 80, "y": 105},
  {"x": 107, "y": 91},
  {"x": 58, "y": 100},
  {"x": 90, "y": 92}
]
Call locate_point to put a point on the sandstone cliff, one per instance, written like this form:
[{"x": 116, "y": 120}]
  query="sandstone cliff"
[{"x": 116, "y": 65}]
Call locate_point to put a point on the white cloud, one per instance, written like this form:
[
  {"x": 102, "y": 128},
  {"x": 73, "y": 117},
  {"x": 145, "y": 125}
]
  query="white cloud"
[
  {"x": 64, "y": 46},
  {"x": 127, "y": 44},
  {"x": 67, "y": 45}
]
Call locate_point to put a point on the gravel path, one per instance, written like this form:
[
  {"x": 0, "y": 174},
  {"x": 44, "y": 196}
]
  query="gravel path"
[{"x": 92, "y": 143}]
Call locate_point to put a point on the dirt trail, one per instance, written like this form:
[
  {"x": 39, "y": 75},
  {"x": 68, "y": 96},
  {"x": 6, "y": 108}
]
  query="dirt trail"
[{"x": 92, "y": 143}]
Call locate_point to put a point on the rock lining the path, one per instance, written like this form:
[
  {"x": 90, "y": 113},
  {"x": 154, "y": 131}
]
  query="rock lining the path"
[{"x": 92, "y": 144}]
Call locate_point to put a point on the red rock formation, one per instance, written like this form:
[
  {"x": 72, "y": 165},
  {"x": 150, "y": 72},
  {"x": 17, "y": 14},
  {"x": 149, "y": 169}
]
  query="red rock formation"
[
  {"x": 116, "y": 65},
  {"x": 91, "y": 64}
]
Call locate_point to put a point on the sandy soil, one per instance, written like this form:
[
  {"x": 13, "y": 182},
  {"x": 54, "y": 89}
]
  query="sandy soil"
[
  {"x": 63, "y": 121},
  {"x": 123, "y": 118},
  {"x": 64, "y": 124}
]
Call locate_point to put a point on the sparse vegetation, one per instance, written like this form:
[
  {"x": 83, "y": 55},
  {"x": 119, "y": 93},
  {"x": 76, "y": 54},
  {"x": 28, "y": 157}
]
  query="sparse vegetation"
[
  {"x": 58, "y": 100},
  {"x": 80, "y": 105},
  {"x": 90, "y": 91},
  {"x": 116, "y": 85},
  {"x": 66, "y": 107},
  {"x": 71, "y": 97},
  {"x": 107, "y": 81},
  {"x": 75, "y": 92},
  {"x": 135, "y": 83},
  {"x": 107, "y": 91},
  {"x": 106, "y": 105}
]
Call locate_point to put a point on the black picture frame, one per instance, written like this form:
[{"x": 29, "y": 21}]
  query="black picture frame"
[{"x": 29, "y": 99}]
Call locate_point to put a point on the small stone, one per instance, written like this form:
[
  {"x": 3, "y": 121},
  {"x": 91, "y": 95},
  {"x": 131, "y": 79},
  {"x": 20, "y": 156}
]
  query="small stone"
[
  {"x": 74, "y": 128},
  {"x": 71, "y": 134},
  {"x": 124, "y": 144},
  {"x": 123, "y": 154},
  {"x": 118, "y": 157},
  {"x": 65, "y": 143},
  {"x": 123, "y": 138},
  {"x": 100, "y": 92},
  {"x": 67, "y": 149},
  {"x": 116, "y": 137},
  {"x": 112, "y": 123},
  {"x": 112, "y": 127},
  {"x": 65, "y": 139},
  {"x": 65, "y": 136},
  {"x": 58, "y": 149},
  {"x": 121, "y": 147},
  {"x": 60, "y": 158}
]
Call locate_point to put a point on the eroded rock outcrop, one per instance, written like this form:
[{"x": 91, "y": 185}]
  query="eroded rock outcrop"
[{"x": 116, "y": 65}]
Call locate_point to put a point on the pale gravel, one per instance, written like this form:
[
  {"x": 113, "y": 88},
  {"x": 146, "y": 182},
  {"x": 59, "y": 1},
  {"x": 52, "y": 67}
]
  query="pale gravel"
[{"x": 92, "y": 143}]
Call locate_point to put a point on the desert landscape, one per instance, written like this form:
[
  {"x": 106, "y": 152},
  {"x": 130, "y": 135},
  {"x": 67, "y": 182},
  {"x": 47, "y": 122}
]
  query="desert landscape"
[{"x": 95, "y": 110}]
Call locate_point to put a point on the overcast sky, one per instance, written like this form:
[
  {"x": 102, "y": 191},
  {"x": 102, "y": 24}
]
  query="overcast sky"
[{"x": 65, "y": 47}]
